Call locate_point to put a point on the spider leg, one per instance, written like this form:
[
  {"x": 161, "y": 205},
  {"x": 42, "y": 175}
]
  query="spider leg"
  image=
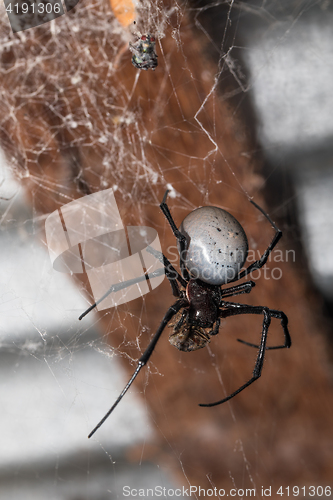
[
  {"x": 216, "y": 328},
  {"x": 121, "y": 286},
  {"x": 260, "y": 358},
  {"x": 238, "y": 289},
  {"x": 180, "y": 237},
  {"x": 284, "y": 322},
  {"x": 263, "y": 259},
  {"x": 234, "y": 309},
  {"x": 144, "y": 358},
  {"x": 170, "y": 271},
  {"x": 181, "y": 321}
]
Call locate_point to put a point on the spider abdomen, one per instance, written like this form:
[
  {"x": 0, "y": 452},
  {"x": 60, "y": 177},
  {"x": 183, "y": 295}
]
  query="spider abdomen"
[{"x": 216, "y": 245}]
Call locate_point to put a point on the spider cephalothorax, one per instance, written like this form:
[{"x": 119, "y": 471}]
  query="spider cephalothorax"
[
  {"x": 213, "y": 249},
  {"x": 193, "y": 326}
]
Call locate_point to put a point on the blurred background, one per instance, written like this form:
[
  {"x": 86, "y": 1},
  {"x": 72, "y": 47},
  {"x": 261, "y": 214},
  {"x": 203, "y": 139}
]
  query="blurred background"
[{"x": 239, "y": 107}]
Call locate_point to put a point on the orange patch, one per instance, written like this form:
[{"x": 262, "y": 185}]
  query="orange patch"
[{"x": 124, "y": 10}]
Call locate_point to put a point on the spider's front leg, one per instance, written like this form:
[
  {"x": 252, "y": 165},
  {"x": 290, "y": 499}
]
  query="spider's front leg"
[
  {"x": 258, "y": 264},
  {"x": 238, "y": 289},
  {"x": 143, "y": 360},
  {"x": 180, "y": 237}
]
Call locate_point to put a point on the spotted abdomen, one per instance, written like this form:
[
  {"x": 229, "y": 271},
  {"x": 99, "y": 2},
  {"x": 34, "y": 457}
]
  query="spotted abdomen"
[{"x": 216, "y": 245}]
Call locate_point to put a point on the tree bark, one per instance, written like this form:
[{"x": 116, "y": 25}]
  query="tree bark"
[{"x": 82, "y": 120}]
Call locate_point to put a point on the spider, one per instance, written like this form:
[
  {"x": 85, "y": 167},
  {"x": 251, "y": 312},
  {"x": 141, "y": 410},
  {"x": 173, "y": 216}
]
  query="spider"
[
  {"x": 144, "y": 55},
  {"x": 213, "y": 249}
]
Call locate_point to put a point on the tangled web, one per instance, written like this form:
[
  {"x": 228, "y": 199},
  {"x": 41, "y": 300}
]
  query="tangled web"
[{"x": 77, "y": 118}]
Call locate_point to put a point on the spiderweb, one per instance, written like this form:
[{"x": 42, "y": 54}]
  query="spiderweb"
[{"x": 77, "y": 118}]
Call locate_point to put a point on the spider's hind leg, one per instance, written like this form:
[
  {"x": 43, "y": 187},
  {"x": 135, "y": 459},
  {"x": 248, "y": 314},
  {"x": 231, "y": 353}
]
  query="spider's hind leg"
[
  {"x": 260, "y": 357},
  {"x": 284, "y": 323}
]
